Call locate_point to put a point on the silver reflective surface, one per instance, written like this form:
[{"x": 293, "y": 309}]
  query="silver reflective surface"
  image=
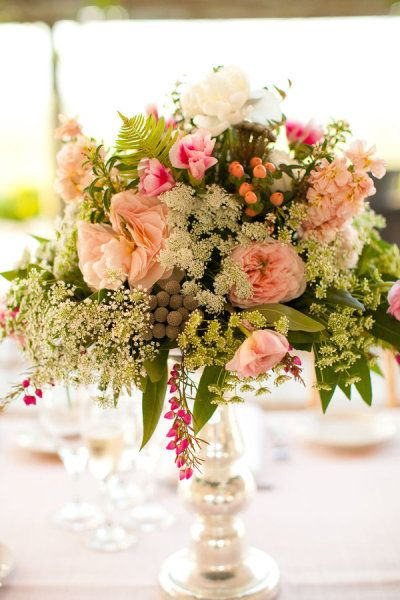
[{"x": 218, "y": 564}]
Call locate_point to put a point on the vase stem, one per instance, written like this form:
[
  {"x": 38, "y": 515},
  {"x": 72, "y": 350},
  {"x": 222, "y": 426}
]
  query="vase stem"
[{"x": 218, "y": 564}]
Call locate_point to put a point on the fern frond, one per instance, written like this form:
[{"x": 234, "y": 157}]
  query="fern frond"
[{"x": 143, "y": 137}]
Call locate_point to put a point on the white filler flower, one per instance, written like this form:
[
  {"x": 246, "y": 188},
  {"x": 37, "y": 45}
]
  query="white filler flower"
[{"x": 224, "y": 99}]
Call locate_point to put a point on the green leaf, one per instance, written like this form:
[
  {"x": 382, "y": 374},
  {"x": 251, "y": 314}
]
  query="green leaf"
[
  {"x": 328, "y": 377},
  {"x": 297, "y": 320},
  {"x": 386, "y": 327},
  {"x": 343, "y": 298},
  {"x": 143, "y": 137},
  {"x": 11, "y": 275},
  {"x": 376, "y": 369},
  {"x": 364, "y": 387},
  {"x": 346, "y": 389},
  {"x": 21, "y": 273},
  {"x": 99, "y": 296},
  {"x": 203, "y": 409},
  {"x": 155, "y": 368},
  {"x": 39, "y": 239},
  {"x": 153, "y": 398},
  {"x": 305, "y": 337}
]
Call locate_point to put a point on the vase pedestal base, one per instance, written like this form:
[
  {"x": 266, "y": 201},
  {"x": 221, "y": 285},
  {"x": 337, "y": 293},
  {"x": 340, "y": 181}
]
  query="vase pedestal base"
[{"x": 256, "y": 578}]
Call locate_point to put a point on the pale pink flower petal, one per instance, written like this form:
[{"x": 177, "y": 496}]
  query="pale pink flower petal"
[
  {"x": 394, "y": 300},
  {"x": 364, "y": 158},
  {"x": 154, "y": 178},
  {"x": 68, "y": 128},
  {"x": 259, "y": 353},
  {"x": 309, "y": 133},
  {"x": 193, "y": 152},
  {"x": 74, "y": 173}
]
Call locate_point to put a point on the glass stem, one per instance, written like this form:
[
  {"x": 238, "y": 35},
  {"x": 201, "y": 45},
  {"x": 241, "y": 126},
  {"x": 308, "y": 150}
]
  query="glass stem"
[
  {"x": 76, "y": 496},
  {"x": 108, "y": 505}
]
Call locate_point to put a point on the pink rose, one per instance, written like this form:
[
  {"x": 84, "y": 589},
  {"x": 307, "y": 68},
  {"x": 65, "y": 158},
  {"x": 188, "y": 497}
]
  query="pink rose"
[
  {"x": 104, "y": 259},
  {"x": 275, "y": 271},
  {"x": 394, "y": 300},
  {"x": 73, "y": 171},
  {"x": 259, "y": 353},
  {"x": 297, "y": 132},
  {"x": 193, "y": 152},
  {"x": 68, "y": 128},
  {"x": 142, "y": 221},
  {"x": 154, "y": 178}
]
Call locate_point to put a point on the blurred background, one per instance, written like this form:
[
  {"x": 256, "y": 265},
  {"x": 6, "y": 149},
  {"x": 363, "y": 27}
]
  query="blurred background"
[{"x": 92, "y": 60}]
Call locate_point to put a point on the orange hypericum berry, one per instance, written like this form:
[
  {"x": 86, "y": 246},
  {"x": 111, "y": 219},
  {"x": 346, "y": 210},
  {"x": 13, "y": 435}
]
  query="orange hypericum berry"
[
  {"x": 250, "y": 198},
  {"x": 232, "y": 164},
  {"x": 250, "y": 212},
  {"x": 237, "y": 170},
  {"x": 256, "y": 160},
  {"x": 270, "y": 167},
  {"x": 276, "y": 198},
  {"x": 260, "y": 171},
  {"x": 244, "y": 188}
]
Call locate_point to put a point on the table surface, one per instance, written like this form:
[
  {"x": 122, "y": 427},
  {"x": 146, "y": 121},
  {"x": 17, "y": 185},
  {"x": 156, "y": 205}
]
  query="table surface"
[{"x": 330, "y": 520}]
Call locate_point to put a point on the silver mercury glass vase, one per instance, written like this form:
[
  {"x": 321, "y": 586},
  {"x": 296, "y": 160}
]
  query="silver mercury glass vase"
[{"x": 218, "y": 564}]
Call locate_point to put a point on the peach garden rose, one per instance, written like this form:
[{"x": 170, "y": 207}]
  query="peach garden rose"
[
  {"x": 274, "y": 270},
  {"x": 129, "y": 248}
]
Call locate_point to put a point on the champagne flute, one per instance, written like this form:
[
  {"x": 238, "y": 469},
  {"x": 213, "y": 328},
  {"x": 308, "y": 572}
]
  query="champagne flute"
[
  {"x": 104, "y": 437},
  {"x": 60, "y": 415}
]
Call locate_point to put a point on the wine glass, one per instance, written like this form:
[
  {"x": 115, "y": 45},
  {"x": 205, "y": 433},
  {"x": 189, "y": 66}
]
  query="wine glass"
[
  {"x": 60, "y": 415},
  {"x": 148, "y": 514},
  {"x": 104, "y": 437}
]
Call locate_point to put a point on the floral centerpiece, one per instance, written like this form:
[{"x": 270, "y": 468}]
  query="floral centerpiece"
[{"x": 225, "y": 232}]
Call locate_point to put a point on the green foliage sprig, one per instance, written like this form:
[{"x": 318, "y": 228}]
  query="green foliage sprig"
[{"x": 142, "y": 137}]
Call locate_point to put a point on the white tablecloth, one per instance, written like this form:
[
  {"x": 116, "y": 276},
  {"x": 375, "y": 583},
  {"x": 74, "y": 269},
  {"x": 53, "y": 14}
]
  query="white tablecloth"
[{"x": 332, "y": 521}]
